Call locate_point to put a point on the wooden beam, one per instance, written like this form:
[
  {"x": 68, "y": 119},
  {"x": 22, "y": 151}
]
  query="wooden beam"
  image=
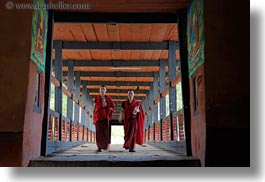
[
  {"x": 78, "y": 45},
  {"x": 113, "y": 74},
  {"x": 55, "y": 81},
  {"x": 116, "y": 63},
  {"x": 116, "y": 83},
  {"x": 118, "y": 91},
  {"x": 67, "y": 92},
  {"x": 175, "y": 81},
  {"x": 114, "y": 18},
  {"x": 121, "y": 97}
]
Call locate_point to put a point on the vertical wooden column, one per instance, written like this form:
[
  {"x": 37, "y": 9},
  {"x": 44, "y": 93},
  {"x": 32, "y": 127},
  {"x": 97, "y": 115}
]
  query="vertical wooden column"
[
  {"x": 70, "y": 87},
  {"x": 150, "y": 102},
  {"x": 83, "y": 113},
  {"x": 155, "y": 89},
  {"x": 172, "y": 90},
  {"x": 77, "y": 95},
  {"x": 144, "y": 104},
  {"x": 162, "y": 85},
  {"x": 182, "y": 29},
  {"x": 48, "y": 69},
  {"x": 155, "y": 108},
  {"x": 87, "y": 114},
  {"x": 58, "y": 90}
]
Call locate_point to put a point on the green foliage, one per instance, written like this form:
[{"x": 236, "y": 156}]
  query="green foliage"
[{"x": 52, "y": 100}]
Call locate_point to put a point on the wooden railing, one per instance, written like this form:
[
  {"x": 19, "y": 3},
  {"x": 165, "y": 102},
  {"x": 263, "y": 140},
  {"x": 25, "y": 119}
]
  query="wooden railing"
[
  {"x": 78, "y": 132},
  {"x": 178, "y": 129}
]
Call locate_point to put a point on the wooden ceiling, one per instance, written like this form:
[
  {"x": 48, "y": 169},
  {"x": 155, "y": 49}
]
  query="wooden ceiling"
[
  {"x": 115, "y": 33},
  {"x": 119, "y": 32}
]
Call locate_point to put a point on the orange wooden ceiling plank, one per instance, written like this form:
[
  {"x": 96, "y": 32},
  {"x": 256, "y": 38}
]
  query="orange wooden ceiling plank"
[
  {"x": 135, "y": 32},
  {"x": 141, "y": 54},
  {"x": 125, "y": 32},
  {"x": 148, "y": 54},
  {"x": 85, "y": 54},
  {"x": 115, "y": 54},
  {"x": 119, "y": 87},
  {"x": 66, "y": 33},
  {"x": 145, "y": 32},
  {"x": 101, "y": 32},
  {"x": 95, "y": 54},
  {"x": 125, "y": 54},
  {"x": 71, "y": 55},
  {"x": 168, "y": 31},
  {"x": 56, "y": 33},
  {"x": 157, "y": 33},
  {"x": 156, "y": 54},
  {"x": 113, "y": 32},
  {"x": 135, "y": 54},
  {"x": 164, "y": 54},
  {"x": 77, "y": 32},
  {"x": 89, "y": 32},
  {"x": 123, "y": 79},
  {"x": 174, "y": 34},
  {"x": 105, "y": 54}
]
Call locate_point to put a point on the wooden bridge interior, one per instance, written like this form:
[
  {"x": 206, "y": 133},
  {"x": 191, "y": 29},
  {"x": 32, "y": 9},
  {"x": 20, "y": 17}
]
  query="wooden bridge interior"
[{"x": 137, "y": 50}]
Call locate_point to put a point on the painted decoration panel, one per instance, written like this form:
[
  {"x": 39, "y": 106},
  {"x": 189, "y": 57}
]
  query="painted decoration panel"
[
  {"x": 195, "y": 35},
  {"x": 39, "y": 35}
]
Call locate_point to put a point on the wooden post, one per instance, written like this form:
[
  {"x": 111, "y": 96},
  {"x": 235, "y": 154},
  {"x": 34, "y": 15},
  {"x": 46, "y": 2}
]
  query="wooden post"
[
  {"x": 48, "y": 69},
  {"x": 59, "y": 76},
  {"x": 162, "y": 85},
  {"x": 172, "y": 90},
  {"x": 182, "y": 29}
]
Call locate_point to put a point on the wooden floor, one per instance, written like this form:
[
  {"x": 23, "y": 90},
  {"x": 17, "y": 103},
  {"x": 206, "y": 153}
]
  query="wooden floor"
[{"x": 85, "y": 155}]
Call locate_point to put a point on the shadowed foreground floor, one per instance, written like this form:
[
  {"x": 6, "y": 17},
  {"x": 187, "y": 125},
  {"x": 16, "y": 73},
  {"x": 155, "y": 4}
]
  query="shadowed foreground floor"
[{"x": 85, "y": 155}]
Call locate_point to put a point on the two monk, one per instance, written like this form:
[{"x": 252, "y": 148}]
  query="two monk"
[{"x": 133, "y": 120}]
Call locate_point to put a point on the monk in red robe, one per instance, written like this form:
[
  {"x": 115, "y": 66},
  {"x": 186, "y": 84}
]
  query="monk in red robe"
[
  {"x": 133, "y": 122},
  {"x": 103, "y": 110}
]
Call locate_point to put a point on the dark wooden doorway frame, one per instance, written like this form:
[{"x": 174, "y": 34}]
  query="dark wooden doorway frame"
[{"x": 74, "y": 17}]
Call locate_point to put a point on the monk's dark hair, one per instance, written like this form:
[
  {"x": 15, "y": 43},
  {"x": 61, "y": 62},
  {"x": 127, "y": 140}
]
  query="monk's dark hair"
[{"x": 103, "y": 86}]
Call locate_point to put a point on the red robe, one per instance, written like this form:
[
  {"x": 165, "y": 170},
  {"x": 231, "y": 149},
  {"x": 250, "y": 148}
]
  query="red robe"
[
  {"x": 102, "y": 115},
  {"x": 133, "y": 124}
]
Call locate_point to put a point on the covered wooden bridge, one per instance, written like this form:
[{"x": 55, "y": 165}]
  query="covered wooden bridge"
[{"x": 123, "y": 52}]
